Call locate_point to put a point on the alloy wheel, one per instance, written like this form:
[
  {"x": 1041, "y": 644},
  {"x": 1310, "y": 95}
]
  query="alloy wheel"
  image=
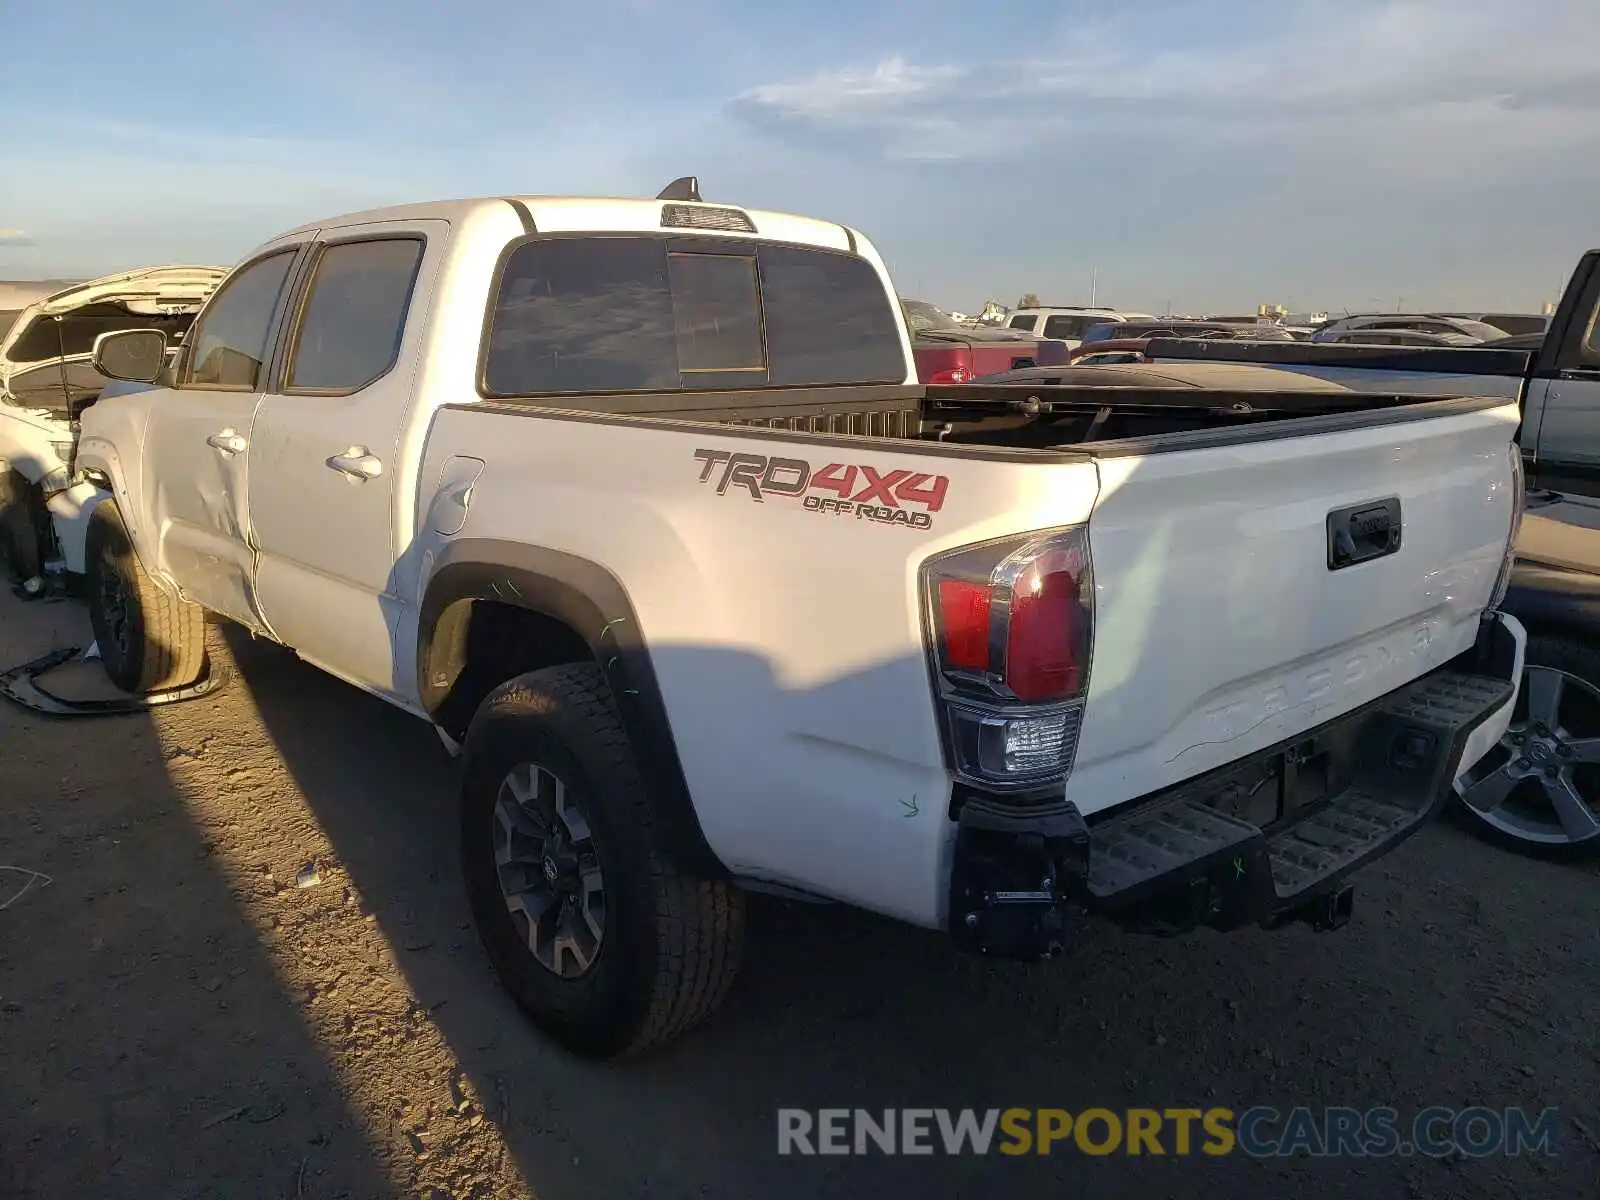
[
  {"x": 549, "y": 870},
  {"x": 1540, "y": 784}
]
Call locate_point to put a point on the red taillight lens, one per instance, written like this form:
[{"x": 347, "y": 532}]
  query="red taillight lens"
[
  {"x": 1016, "y": 614},
  {"x": 964, "y": 624},
  {"x": 1046, "y": 642}
]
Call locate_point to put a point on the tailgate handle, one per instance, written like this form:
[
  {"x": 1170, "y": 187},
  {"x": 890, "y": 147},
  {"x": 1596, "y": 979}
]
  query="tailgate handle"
[{"x": 1363, "y": 532}]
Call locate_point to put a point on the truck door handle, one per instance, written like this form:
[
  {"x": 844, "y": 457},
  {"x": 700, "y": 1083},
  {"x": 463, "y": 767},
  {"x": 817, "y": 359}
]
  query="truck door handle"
[
  {"x": 357, "y": 463},
  {"x": 228, "y": 442}
]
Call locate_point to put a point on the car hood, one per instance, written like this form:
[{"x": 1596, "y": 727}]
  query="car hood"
[
  {"x": 163, "y": 285},
  {"x": 149, "y": 289}
]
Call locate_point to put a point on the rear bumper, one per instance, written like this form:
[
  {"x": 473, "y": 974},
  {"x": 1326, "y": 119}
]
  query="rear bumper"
[{"x": 1262, "y": 841}]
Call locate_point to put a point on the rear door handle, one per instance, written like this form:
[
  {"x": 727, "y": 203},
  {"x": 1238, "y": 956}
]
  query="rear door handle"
[
  {"x": 357, "y": 463},
  {"x": 228, "y": 442}
]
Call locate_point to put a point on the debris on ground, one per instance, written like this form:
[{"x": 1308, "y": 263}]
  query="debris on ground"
[{"x": 32, "y": 880}]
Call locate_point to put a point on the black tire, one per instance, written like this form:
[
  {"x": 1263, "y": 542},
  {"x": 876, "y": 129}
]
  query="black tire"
[
  {"x": 25, "y": 531},
  {"x": 149, "y": 639},
  {"x": 1579, "y": 658},
  {"x": 671, "y": 942}
]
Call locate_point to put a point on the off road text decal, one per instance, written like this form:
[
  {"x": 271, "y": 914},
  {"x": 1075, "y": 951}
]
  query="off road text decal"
[{"x": 897, "y": 497}]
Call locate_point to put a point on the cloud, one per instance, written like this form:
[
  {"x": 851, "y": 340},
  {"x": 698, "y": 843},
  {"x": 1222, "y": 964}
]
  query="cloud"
[
  {"x": 1366, "y": 82},
  {"x": 14, "y": 237},
  {"x": 893, "y": 86}
]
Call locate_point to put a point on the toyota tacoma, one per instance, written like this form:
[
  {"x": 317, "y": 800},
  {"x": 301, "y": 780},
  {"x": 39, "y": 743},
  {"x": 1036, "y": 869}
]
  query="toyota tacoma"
[{"x": 639, "y": 502}]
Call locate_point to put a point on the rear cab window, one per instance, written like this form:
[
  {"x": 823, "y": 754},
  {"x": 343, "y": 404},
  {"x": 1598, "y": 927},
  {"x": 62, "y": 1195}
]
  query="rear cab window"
[
  {"x": 1068, "y": 327},
  {"x": 353, "y": 315},
  {"x": 651, "y": 313}
]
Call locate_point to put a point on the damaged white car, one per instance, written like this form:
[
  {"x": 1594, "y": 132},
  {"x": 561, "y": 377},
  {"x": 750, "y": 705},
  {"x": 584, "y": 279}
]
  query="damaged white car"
[{"x": 47, "y": 380}]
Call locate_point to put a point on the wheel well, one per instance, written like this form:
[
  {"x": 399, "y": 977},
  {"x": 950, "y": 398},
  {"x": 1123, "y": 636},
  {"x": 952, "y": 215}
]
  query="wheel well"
[{"x": 479, "y": 644}]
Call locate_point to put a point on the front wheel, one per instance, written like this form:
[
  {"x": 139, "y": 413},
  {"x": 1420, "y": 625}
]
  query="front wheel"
[
  {"x": 149, "y": 639},
  {"x": 25, "y": 530},
  {"x": 1537, "y": 790},
  {"x": 597, "y": 934}
]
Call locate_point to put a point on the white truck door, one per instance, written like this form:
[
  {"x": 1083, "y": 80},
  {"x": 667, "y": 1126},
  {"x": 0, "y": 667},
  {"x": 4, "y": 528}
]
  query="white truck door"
[
  {"x": 195, "y": 454},
  {"x": 331, "y": 489}
]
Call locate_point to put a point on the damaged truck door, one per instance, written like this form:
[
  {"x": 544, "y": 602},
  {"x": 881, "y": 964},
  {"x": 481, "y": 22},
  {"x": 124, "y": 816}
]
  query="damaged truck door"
[{"x": 192, "y": 475}]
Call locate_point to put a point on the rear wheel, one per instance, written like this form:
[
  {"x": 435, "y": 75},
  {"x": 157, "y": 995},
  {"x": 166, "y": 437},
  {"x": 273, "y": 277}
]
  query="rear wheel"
[
  {"x": 598, "y": 935},
  {"x": 149, "y": 639},
  {"x": 1537, "y": 790}
]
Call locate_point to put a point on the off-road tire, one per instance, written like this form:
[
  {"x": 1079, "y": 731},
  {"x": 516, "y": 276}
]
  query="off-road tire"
[
  {"x": 149, "y": 639},
  {"x": 25, "y": 531},
  {"x": 672, "y": 940}
]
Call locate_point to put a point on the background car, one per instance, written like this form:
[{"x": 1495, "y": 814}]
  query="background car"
[
  {"x": 1154, "y": 327},
  {"x": 947, "y": 351},
  {"x": 1519, "y": 341},
  {"x": 1512, "y": 323},
  {"x": 1455, "y": 331},
  {"x": 1398, "y": 337}
]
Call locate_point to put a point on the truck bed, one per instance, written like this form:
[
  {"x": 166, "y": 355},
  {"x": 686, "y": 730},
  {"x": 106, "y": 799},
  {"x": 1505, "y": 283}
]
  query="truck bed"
[{"x": 1019, "y": 416}]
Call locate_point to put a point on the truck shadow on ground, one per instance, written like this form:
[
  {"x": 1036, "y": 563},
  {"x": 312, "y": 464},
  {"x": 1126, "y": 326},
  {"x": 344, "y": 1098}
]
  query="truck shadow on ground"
[
  {"x": 147, "y": 1045},
  {"x": 1436, "y": 994}
]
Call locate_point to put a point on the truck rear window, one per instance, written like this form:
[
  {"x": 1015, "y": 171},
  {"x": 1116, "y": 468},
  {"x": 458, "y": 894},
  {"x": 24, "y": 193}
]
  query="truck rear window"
[{"x": 652, "y": 314}]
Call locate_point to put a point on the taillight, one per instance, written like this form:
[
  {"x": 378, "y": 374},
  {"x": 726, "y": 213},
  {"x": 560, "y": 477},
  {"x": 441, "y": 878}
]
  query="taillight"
[
  {"x": 945, "y": 364},
  {"x": 1011, "y": 627},
  {"x": 1519, "y": 503}
]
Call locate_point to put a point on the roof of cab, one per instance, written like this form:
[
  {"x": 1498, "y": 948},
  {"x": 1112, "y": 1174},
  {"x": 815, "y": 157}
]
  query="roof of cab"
[{"x": 598, "y": 214}]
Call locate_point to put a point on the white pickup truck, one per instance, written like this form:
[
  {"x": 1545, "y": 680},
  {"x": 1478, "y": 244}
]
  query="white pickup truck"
[{"x": 639, "y": 503}]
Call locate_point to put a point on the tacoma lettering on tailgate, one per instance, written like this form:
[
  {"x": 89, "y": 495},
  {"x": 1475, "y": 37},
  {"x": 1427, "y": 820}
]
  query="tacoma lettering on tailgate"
[{"x": 895, "y": 497}]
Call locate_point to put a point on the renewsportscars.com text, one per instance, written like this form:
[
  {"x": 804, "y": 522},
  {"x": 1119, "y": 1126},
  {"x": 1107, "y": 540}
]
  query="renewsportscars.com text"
[{"x": 1258, "y": 1132}]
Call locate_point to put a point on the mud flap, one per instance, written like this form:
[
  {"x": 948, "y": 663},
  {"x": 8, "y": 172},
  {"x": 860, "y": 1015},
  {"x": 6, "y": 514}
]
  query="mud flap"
[
  {"x": 21, "y": 686},
  {"x": 1017, "y": 878}
]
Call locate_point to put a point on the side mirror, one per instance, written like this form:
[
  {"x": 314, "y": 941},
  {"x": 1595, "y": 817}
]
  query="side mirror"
[{"x": 134, "y": 355}]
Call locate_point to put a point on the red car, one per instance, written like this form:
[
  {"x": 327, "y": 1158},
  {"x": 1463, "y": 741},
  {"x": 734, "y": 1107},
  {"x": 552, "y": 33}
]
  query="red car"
[{"x": 947, "y": 351}]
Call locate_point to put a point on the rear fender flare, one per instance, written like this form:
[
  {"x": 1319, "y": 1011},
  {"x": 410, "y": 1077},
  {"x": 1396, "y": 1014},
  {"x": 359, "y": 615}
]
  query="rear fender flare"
[{"x": 590, "y": 600}]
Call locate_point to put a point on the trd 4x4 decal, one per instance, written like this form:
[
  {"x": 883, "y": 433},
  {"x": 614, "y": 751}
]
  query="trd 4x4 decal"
[{"x": 897, "y": 497}]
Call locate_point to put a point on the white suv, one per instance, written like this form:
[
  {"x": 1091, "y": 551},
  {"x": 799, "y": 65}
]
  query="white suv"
[{"x": 1066, "y": 325}]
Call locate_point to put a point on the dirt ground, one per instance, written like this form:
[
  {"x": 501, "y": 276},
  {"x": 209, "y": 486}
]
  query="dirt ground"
[{"x": 178, "y": 1018}]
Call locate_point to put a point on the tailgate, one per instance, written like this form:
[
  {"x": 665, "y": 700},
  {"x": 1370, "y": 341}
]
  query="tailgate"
[
  {"x": 1223, "y": 624},
  {"x": 989, "y": 358}
]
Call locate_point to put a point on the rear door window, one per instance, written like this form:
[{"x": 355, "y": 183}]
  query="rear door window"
[
  {"x": 1024, "y": 322},
  {"x": 354, "y": 314},
  {"x": 640, "y": 314}
]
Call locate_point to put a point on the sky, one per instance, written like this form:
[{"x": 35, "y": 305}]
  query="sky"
[{"x": 1211, "y": 156}]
